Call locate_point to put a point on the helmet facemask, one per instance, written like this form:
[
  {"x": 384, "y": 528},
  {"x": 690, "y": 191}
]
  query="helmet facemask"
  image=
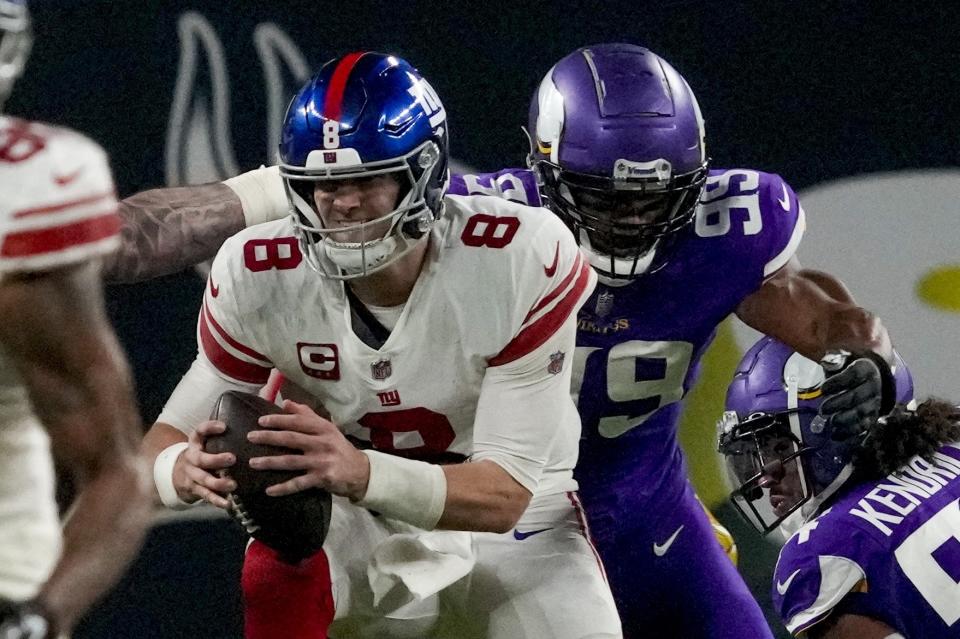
[
  {"x": 358, "y": 250},
  {"x": 16, "y": 40},
  {"x": 623, "y": 223},
  {"x": 764, "y": 459}
]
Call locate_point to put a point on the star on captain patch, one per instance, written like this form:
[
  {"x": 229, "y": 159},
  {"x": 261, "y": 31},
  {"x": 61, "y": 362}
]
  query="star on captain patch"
[
  {"x": 381, "y": 369},
  {"x": 556, "y": 363},
  {"x": 604, "y": 304}
]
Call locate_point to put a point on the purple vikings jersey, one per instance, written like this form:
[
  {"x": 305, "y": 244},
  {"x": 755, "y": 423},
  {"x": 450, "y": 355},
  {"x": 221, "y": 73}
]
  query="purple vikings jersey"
[
  {"x": 639, "y": 348},
  {"x": 886, "y": 549}
]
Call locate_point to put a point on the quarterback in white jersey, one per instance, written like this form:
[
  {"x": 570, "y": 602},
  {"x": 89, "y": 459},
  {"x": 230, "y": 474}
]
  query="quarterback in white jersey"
[
  {"x": 63, "y": 381},
  {"x": 434, "y": 330}
]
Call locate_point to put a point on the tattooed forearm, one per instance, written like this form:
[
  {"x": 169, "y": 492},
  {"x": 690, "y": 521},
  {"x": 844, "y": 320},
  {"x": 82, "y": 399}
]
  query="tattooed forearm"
[{"x": 167, "y": 230}]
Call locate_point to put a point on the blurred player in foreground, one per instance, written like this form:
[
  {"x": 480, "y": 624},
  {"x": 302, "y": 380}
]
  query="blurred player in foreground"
[
  {"x": 618, "y": 154},
  {"x": 434, "y": 329},
  {"x": 877, "y": 553},
  {"x": 61, "y": 369}
]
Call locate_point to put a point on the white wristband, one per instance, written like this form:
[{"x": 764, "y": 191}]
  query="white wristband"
[
  {"x": 261, "y": 194},
  {"x": 405, "y": 489},
  {"x": 163, "y": 476}
]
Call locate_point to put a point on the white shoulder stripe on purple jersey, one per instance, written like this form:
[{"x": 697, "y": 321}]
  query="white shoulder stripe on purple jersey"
[{"x": 838, "y": 576}]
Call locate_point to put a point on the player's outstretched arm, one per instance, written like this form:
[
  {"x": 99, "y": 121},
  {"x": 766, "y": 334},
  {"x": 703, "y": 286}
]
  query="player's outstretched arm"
[
  {"x": 168, "y": 230},
  {"x": 813, "y": 312},
  {"x": 57, "y": 335}
]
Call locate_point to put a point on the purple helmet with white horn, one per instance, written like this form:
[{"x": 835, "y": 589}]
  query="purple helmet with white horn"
[{"x": 617, "y": 141}]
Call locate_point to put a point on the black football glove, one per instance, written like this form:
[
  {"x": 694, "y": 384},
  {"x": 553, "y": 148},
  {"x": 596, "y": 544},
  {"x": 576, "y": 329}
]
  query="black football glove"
[
  {"x": 859, "y": 389},
  {"x": 24, "y": 620}
]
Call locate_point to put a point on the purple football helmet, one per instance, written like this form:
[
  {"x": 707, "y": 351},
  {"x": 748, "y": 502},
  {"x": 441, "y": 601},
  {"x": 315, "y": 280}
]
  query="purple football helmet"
[
  {"x": 617, "y": 142},
  {"x": 15, "y": 41},
  {"x": 778, "y": 450},
  {"x": 362, "y": 115}
]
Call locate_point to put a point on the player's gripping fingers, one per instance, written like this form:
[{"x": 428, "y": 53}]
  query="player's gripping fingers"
[
  {"x": 210, "y": 488},
  {"x": 862, "y": 376},
  {"x": 195, "y": 454},
  {"x": 208, "y": 461},
  {"x": 281, "y": 462},
  {"x": 295, "y": 485},
  {"x": 307, "y": 424},
  {"x": 285, "y": 438}
]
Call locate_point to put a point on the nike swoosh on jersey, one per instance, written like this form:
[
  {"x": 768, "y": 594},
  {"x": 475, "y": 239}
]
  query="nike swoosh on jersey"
[
  {"x": 785, "y": 200},
  {"x": 520, "y": 536},
  {"x": 782, "y": 587},
  {"x": 64, "y": 180},
  {"x": 552, "y": 269},
  {"x": 661, "y": 549}
]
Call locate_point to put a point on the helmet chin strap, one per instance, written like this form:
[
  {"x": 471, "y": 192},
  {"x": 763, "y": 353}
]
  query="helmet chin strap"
[
  {"x": 791, "y": 375},
  {"x": 359, "y": 257}
]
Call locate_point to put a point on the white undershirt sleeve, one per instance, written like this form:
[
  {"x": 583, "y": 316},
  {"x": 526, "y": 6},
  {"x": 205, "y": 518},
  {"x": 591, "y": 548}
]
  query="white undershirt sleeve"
[
  {"x": 525, "y": 415},
  {"x": 194, "y": 397}
]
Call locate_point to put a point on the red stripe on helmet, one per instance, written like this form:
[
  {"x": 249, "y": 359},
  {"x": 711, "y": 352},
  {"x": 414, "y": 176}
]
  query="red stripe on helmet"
[{"x": 333, "y": 104}]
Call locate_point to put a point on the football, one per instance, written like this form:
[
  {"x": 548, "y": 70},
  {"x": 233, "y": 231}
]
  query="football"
[{"x": 293, "y": 525}]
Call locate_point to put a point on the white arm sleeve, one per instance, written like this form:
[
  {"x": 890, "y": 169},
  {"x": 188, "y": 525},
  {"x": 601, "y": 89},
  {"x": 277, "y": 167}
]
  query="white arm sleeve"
[
  {"x": 525, "y": 416},
  {"x": 194, "y": 397}
]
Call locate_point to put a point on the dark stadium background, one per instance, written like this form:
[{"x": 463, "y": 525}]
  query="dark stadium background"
[{"x": 810, "y": 90}]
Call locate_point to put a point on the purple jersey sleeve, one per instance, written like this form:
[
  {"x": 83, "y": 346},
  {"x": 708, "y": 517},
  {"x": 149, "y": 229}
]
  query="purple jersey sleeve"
[
  {"x": 516, "y": 185},
  {"x": 813, "y": 575}
]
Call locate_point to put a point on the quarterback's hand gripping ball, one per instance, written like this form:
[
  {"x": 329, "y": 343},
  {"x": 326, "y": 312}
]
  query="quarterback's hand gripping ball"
[{"x": 293, "y": 525}]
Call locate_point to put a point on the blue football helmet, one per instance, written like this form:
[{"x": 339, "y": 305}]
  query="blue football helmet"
[
  {"x": 779, "y": 451},
  {"x": 15, "y": 41},
  {"x": 617, "y": 142},
  {"x": 365, "y": 114}
]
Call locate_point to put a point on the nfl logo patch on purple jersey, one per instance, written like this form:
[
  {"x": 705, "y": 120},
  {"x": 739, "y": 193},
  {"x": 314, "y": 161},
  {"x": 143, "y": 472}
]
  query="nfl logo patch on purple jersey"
[
  {"x": 381, "y": 369},
  {"x": 556, "y": 363},
  {"x": 330, "y": 157},
  {"x": 604, "y": 304}
]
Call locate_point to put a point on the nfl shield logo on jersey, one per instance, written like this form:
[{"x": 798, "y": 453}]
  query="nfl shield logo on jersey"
[
  {"x": 556, "y": 363},
  {"x": 604, "y": 304},
  {"x": 381, "y": 369}
]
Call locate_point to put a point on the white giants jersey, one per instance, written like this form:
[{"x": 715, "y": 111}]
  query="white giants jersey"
[
  {"x": 58, "y": 207},
  {"x": 478, "y": 364}
]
